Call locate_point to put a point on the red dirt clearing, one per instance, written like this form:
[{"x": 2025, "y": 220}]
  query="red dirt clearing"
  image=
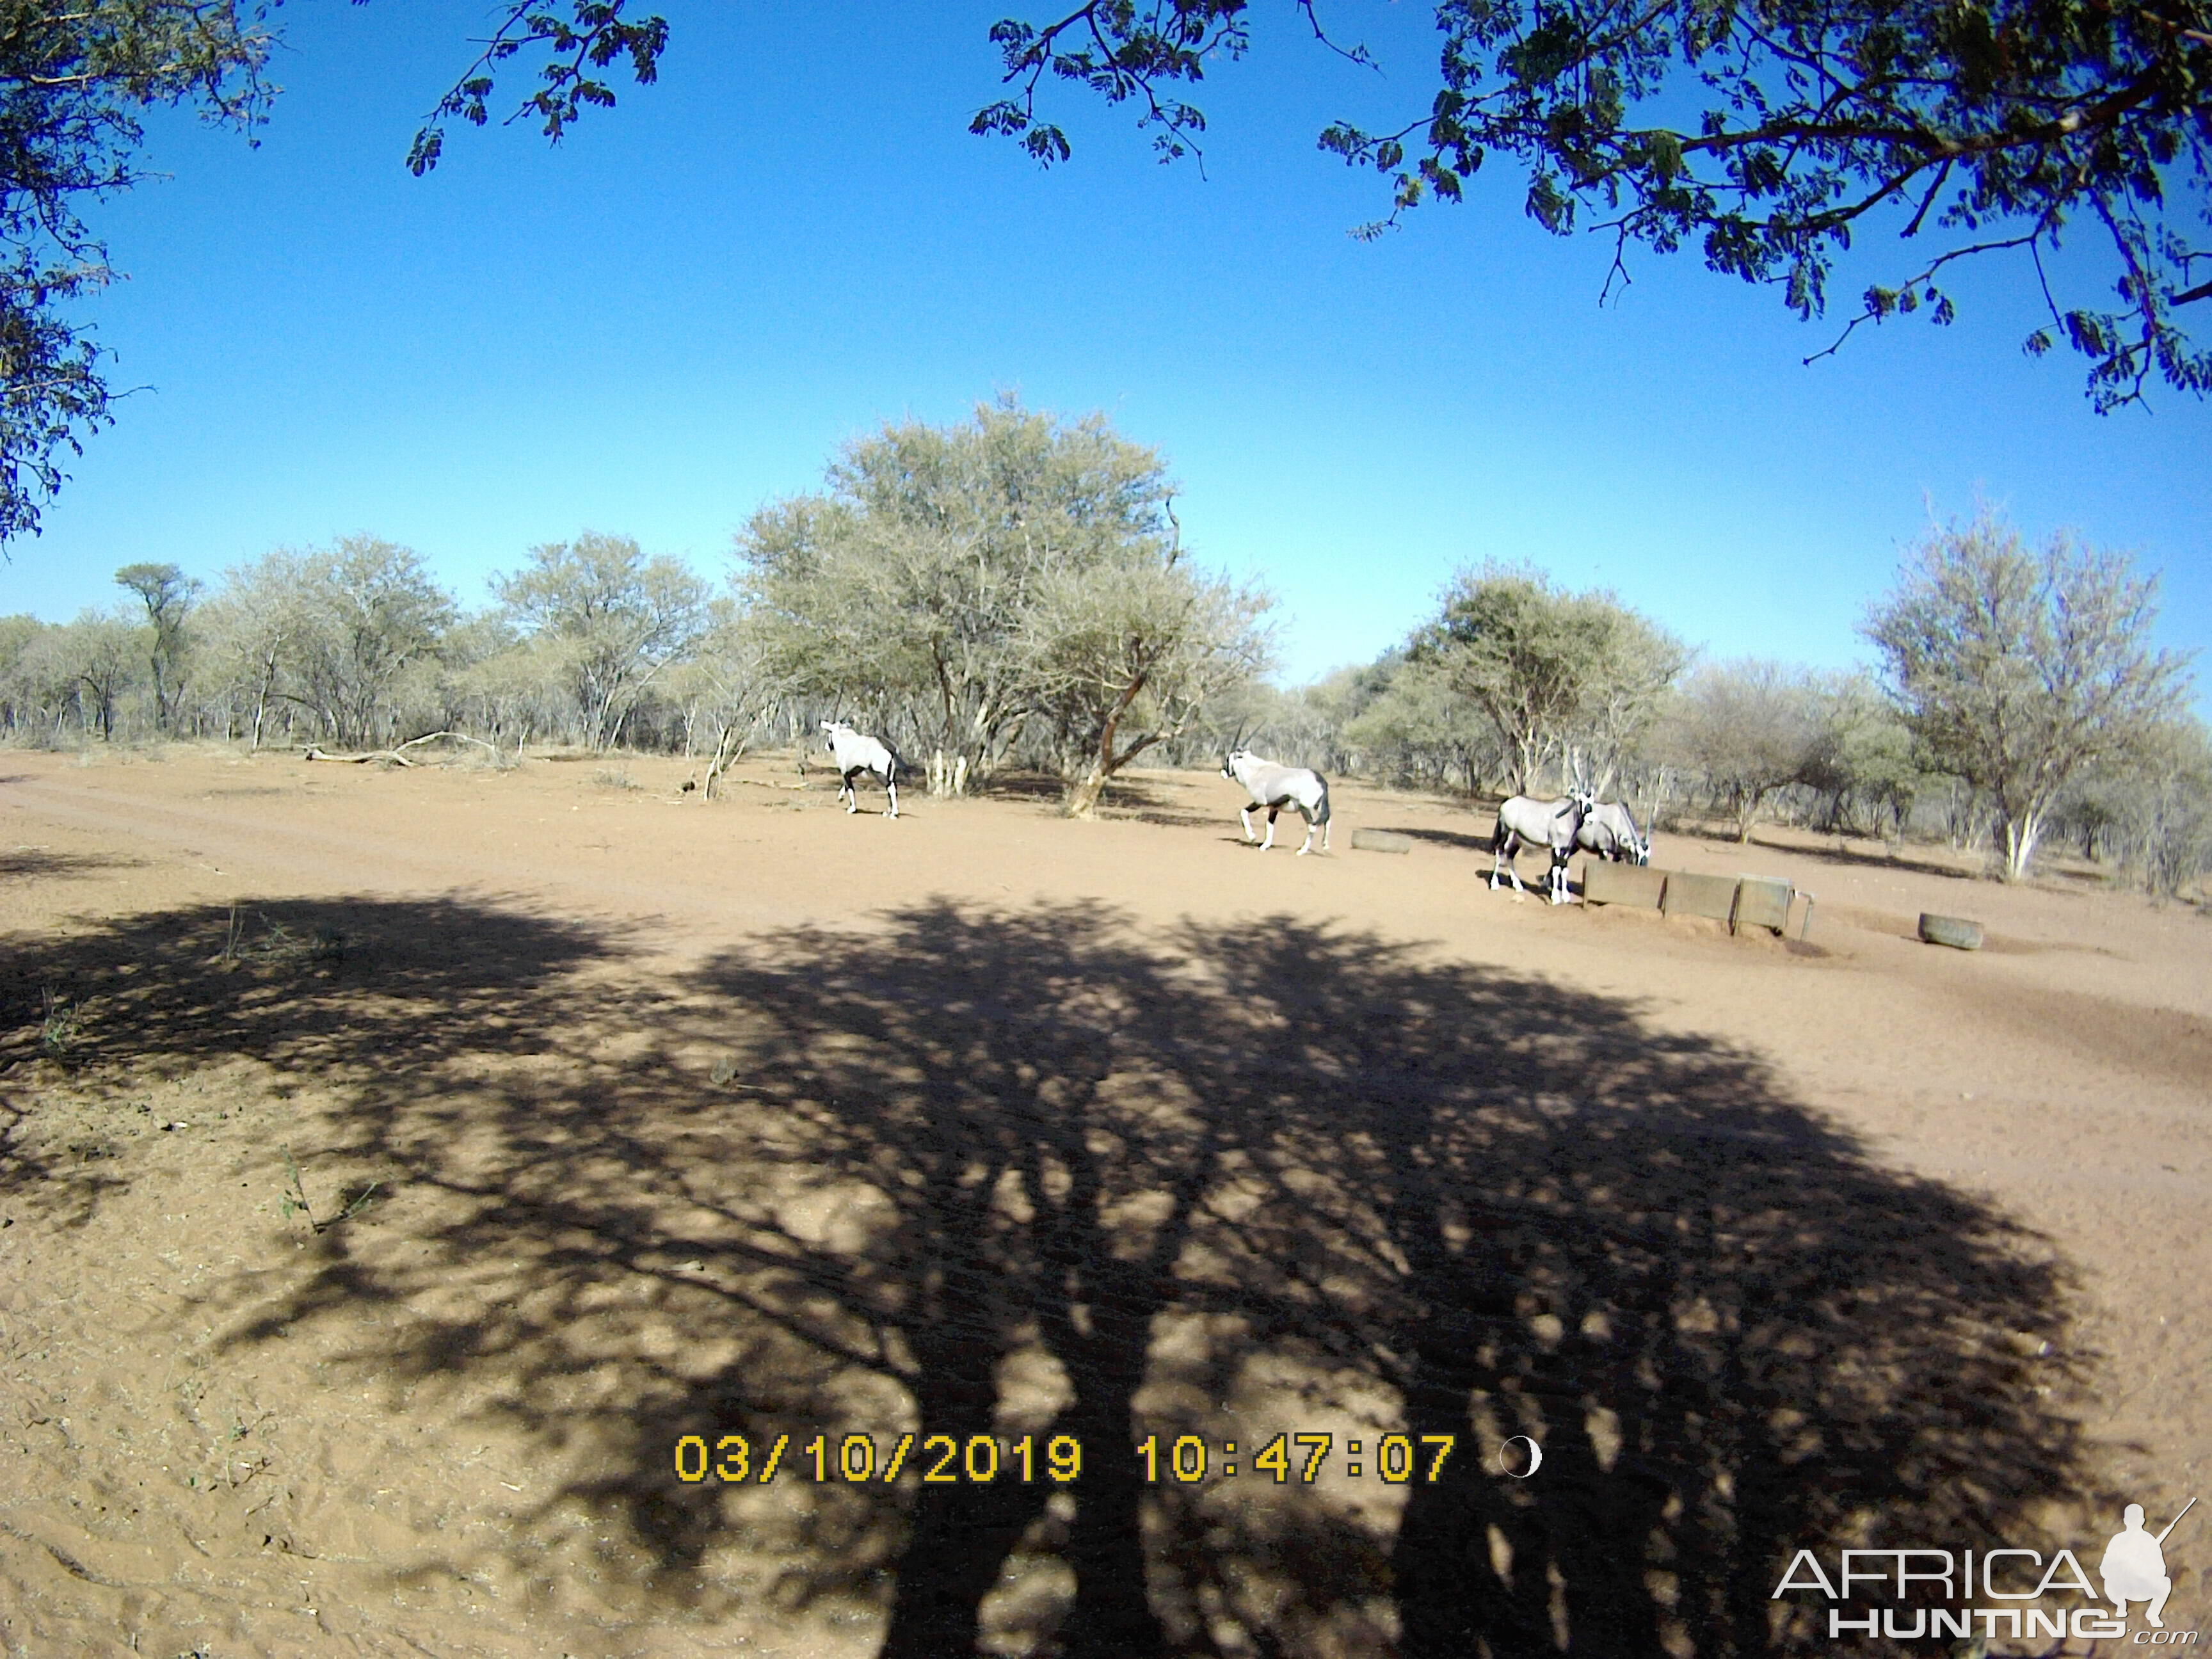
[{"x": 752, "y": 1118}]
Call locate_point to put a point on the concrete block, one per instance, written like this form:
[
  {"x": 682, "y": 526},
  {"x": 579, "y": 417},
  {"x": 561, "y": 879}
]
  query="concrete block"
[
  {"x": 1382, "y": 841},
  {"x": 1622, "y": 884},
  {"x": 1956, "y": 931},
  {"x": 1762, "y": 902},
  {"x": 1700, "y": 895}
]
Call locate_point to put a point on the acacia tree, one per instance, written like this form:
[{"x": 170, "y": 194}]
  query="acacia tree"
[
  {"x": 1119, "y": 657},
  {"x": 167, "y": 593},
  {"x": 250, "y": 635},
  {"x": 612, "y": 617},
  {"x": 1418, "y": 727},
  {"x": 1863, "y": 759},
  {"x": 19, "y": 635},
  {"x": 73, "y": 81},
  {"x": 1546, "y": 667},
  {"x": 97, "y": 656},
  {"x": 1772, "y": 135},
  {"x": 1751, "y": 728},
  {"x": 2017, "y": 670},
  {"x": 910, "y": 588},
  {"x": 2166, "y": 809},
  {"x": 727, "y": 689},
  {"x": 369, "y": 620},
  {"x": 40, "y": 687}
]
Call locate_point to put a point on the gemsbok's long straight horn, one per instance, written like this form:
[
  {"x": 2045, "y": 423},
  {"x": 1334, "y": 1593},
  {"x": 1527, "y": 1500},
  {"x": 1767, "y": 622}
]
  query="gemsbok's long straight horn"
[{"x": 2176, "y": 1521}]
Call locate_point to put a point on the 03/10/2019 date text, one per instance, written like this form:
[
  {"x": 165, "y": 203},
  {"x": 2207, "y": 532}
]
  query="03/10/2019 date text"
[
  {"x": 937, "y": 1459},
  {"x": 982, "y": 1459}
]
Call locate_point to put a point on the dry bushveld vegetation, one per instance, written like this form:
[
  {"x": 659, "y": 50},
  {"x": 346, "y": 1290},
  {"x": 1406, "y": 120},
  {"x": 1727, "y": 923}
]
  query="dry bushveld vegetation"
[{"x": 1012, "y": 597}]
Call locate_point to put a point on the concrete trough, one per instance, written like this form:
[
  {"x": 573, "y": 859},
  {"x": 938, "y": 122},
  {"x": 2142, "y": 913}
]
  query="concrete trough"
[
  {"x": 1957, "y": 931},
  {"x": 1711, "y": 897},
  {"x": 1762, "y": 902},
  {"x": 1382, "y": 841},
  {"x": 1623, "y": 884}
]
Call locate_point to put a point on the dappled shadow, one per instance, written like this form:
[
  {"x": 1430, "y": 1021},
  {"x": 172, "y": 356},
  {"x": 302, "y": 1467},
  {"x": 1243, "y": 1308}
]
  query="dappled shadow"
[
  {"x": 37, "y": 862},
  {"x": 1134, "y": 798},
  {"x": 1170, "y": 801},
  {"x": 1019, "y": 786},
  {"x": 339, "y": 988},
  {"x": 1166, "y": 817},
  {"x": 1915, "y": 861},
  {"x": 330, "y": 982},
  {"x": 1464, "y": 840},
  {"x": 1033, "y": 1173}
]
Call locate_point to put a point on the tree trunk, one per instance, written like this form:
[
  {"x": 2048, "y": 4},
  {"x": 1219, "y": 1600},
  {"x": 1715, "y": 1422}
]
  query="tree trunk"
[
  {"x": 2021, "y": 835},
  {"x": 1747, "y": 817},
  {"x": 947, "y": 774},
  {"x": 728, "y": 745},
  {"x": 1083, "y": 799}
]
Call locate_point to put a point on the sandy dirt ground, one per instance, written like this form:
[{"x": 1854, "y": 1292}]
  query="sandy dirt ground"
[{"x": 430, "y": 1199}]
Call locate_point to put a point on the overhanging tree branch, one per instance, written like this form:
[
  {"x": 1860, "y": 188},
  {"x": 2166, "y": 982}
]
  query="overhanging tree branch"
[{"x": 2017, "y": 113}]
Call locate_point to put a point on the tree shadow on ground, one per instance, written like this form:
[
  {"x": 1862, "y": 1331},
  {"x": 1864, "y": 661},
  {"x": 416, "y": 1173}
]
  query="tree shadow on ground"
[
  {"x": 1463, "y": 840},
  {"x": 1133, "y": 799},
  {"x": 28, "y": 863},
  {"x": 1920, "y": 862},
  {"x": 1019, "y": 786},
  {"x": 1033, "y": 1173},
  {"x": 337, "y": 988},
  {"x": 1166, "y": 819}
]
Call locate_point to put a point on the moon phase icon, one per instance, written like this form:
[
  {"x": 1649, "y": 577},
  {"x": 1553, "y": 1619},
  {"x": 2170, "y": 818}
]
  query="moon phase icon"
[{"x": 1536, "y": 1458}]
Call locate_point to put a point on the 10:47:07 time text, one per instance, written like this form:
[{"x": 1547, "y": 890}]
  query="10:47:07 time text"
[{"x": 1302, "y": 1456}]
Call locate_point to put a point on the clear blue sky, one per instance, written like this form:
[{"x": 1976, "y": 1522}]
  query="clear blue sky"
[{"x": 679, "y": 312}]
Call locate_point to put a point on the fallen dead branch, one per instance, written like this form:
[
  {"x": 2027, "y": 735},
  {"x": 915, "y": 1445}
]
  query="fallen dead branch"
[{"x": 396, "y": 757}]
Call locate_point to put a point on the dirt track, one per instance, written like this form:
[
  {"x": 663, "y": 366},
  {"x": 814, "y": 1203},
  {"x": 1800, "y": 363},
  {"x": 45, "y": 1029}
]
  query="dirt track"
[{"x": 753, "y": 1118}]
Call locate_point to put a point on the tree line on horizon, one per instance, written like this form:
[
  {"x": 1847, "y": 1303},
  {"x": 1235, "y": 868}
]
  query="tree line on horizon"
[{"x": 1010, "y": 595}]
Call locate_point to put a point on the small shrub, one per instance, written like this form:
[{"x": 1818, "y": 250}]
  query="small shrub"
[
  {"x": 58, "y": 1027},
  {"x": 278, "y": 945},
  {"x": 295, "y": 1200}
]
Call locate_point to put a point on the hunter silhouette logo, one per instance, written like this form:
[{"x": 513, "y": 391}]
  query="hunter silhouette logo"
[
  {"x": 2134, "y": 1567},
  {"x": 2007, "y": 1593}
]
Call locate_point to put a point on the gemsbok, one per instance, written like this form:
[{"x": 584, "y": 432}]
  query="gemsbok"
[
  {"x": 854, "y": 752},
  {"x": 1610, "y": 830},
  {"x": 1275, "y": 788},
  {"x": 1553, "y": 823}
]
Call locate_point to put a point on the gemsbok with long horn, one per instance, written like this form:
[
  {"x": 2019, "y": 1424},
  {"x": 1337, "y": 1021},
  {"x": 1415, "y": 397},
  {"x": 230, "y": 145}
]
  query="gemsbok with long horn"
[
  {"x": 854, "y": 752},
  {"x": 1610, "y": 830},
  {"x": 1550, "y": 824},
  {"x": 1275, "y": 788}
]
